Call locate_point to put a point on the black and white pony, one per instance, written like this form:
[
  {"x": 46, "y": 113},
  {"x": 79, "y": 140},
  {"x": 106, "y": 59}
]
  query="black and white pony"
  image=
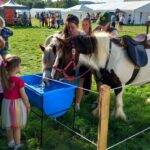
[
  {"x": 51, "y": 46},
  {"x": 108, "y": 59}
]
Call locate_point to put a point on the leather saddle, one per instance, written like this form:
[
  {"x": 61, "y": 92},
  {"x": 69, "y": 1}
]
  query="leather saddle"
[{"x": 135, "y": 48}]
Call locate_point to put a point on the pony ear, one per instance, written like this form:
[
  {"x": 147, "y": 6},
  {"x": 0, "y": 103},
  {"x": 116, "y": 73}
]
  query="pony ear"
[
  {"x": 42, "y": 48},
  {"x": 85, "y": 44}
]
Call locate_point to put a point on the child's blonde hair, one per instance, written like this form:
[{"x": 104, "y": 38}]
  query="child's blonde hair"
[
  {"x": 90, "y": 25},
  {"x": 6, "y": 67},
  {"x": 2, "y": 41}
]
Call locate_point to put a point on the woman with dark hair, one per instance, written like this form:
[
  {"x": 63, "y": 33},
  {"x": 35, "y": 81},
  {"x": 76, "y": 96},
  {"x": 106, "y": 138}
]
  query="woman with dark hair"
[{"x": 72, "y": 29}]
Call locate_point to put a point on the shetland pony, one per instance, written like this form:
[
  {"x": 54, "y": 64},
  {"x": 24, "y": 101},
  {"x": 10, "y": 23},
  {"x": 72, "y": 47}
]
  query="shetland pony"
[
  {"x": 51, "y": 46},
  {"x": 109, "y": 60}
]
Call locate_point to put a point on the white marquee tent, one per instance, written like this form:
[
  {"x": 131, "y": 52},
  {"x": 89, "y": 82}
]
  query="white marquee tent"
[
  {"x": 139, "y": 10},
  {"x": 33, "y": 11},
  {"x": 79, "y": 10}
]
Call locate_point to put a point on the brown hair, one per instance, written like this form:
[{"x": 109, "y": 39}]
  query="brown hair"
[
  {"x": 89, "y": 21},
  {"x": 70, "y": 19},
  {"x": 65, "y": 30},
  {"x": 7, "y": 66}
]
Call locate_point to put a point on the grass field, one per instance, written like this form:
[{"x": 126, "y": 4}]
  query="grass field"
[{"x": 25, "y": 43}]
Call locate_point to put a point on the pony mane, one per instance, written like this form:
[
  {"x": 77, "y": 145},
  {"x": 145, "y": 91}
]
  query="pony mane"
[
  {"x": 103, "y": 45},
  {"x": 103, "y": 42},
  {"x": 48, "y": 39},
  {"x": 48, "y": 56}
]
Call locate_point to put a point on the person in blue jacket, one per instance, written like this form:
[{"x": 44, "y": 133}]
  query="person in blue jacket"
[{"x": 5, "y": 33}]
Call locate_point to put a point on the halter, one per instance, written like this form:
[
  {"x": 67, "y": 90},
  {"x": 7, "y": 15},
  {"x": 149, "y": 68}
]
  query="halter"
[{"x": 72, "y": 61}]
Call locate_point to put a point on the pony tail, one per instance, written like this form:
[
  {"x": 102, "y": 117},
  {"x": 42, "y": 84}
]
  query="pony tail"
[{"x": 4, "y": 77}]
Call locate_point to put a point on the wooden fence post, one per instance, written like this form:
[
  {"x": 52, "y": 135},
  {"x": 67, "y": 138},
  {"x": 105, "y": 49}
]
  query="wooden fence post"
[{"x": 103, "y": 107}]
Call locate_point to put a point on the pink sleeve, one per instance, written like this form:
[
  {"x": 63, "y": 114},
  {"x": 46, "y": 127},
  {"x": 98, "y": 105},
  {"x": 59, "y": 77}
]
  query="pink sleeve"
[{"x": 21, "y": 83}]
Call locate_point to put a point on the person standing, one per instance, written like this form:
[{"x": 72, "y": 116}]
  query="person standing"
[
  {"x": 58, "y": 19},
  {"x": 121, "y": 21},
  {"x": 113, "y": 20},
  {"x": 86, "y": 26},
  {"x": 53, "y": 21},
  {"x": 42, "y": 18},
  {"x": 30, "y": 22},
  {"x": 5, "y": 33},
  {"x": 88, "y": 16},
  {"x": 129, "y": 19},
  {"x": 104, "y": 22},
  {"x": 15, "y": 104},
  {"x": 46, "y": 20},
  {"x": 72, "y": 29}
]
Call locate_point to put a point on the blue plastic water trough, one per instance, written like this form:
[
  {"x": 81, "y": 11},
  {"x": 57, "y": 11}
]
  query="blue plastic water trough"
[{"x": 54, "y": 99}]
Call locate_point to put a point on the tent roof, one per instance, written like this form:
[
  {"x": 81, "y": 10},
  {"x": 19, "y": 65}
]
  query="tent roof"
[
  {"x": 46, "y": 9},
  {"x": 12, "y": 4},
  {"x": 54, "y": 9},
  {"x": 112, "y": 6},
  {"x": 79, "y": 8}
]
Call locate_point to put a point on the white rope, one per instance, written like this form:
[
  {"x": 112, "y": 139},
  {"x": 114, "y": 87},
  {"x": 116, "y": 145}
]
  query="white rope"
[
  {"x": 128, "y": 138},
  {"x": 75, "y": 132},
  {"x": 98, "y": 93},
  {"x": 68, "y": 84},
  {"x": 131, "y": 84},
  {"x": 136, "y": 134}
]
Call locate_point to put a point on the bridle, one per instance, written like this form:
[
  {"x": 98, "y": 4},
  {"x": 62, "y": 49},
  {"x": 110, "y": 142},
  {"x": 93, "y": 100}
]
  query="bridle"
[{"x": 75, "y": 67}]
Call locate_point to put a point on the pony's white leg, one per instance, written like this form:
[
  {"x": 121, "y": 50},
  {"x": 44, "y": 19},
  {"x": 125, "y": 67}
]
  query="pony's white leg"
[{"x": 118, "y": 110}]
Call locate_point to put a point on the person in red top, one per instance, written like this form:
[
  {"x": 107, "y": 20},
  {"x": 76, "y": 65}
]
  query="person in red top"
[
  {"x": 53, "y": 21},
  {"x": 15, "y": 104}
]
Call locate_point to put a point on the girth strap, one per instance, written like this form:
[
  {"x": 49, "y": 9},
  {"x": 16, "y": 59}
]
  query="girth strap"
[{"x": 134, "y": 74}]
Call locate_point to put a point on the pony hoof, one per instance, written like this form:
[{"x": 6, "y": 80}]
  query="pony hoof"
[{"x": 119, "y": 114}]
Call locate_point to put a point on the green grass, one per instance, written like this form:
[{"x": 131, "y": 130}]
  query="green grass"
[{"x": 25, "y": 43}]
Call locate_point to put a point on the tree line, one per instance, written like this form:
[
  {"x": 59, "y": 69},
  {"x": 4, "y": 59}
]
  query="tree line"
[{"x": 48, "y": 3}]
